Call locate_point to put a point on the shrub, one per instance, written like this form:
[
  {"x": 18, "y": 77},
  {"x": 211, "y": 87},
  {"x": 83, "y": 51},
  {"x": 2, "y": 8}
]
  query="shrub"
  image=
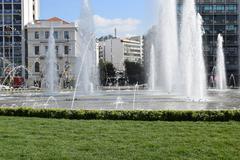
[{"x": 227, "y": 115}]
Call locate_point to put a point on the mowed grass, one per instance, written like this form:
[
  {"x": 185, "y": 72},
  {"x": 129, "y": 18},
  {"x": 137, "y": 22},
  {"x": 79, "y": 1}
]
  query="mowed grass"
[{"x": 50, "y": 139}]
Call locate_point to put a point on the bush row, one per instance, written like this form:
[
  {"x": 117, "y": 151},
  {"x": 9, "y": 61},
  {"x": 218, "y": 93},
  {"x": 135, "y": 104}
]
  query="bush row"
[{"x": 228, "y": 115}]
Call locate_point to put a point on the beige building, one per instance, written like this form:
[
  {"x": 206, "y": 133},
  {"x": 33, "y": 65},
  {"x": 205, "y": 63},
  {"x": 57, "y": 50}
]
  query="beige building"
[
  {"x": 65, "y": 34},
  {"x": 117, "y": 50}
]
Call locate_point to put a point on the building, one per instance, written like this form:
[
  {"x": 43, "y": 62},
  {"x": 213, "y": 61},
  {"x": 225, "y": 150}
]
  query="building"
[
  {"x": 221, "y": 16},
  {"x": 117, "y": 50},
  {"x": 65, "y": 34},
  {"x": 14, "y": 15}
]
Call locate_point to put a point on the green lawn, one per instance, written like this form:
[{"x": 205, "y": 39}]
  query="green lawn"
[{"x": 50, "y": 139}]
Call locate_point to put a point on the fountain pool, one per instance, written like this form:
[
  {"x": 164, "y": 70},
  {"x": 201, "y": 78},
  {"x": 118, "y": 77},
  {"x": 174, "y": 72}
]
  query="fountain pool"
[
  {"x": 106, "y": 100},
  {"x": 169, "y": 83}
]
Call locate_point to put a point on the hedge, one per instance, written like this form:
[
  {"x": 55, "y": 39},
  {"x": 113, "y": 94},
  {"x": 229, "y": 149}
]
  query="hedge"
[{"x": 225, "y": 115}]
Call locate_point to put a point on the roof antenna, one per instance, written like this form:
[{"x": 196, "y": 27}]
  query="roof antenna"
[{"x": 115, "y": 32}]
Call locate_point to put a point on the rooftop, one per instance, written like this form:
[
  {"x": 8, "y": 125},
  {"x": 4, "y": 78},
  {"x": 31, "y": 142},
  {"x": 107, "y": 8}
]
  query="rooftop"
[{"x": 53, "y": 19}]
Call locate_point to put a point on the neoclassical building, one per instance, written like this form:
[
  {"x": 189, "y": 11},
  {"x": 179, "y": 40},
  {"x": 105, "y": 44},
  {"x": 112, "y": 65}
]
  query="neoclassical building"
[{"x": 65, "y": 34}]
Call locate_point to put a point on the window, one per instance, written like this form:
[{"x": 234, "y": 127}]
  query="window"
[
  {"x": 231, "y": 8},
  {"x": 233, "y": 40},
  {"x": 55, "y": 34},
  {"x": 57, "y": 49},
  {"x": 36, "y": 35},
  {"x": 219, "y": 19},
  {"x": 66, "y": 35},
  {"x": 46, "y": 34},
  {"x": 66, "y": 50},
  {"x": 231, "y": 29},
  {"x": 207, "y": 8},
  {"x": 8, "y": 19},
  {"x": 219, "y": 29},
  {"x": 46, "y": 49},
  {"x": 231, "y": 51},
  {"x": 232, "y": 19},
  {"x": 37, "y": 50},
  {"x": 17, "y": 19},
  {"x": 37, "y": 67},
  {"x": 219, "y": 8}
]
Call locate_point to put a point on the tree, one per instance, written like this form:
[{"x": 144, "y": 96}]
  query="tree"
[
  {"x": 134, "y": 72},
  {"x": 107, "y": 72}
]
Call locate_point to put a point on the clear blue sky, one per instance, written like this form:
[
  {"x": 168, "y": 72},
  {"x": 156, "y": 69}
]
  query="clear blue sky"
[{"x": 114, "y": 12}]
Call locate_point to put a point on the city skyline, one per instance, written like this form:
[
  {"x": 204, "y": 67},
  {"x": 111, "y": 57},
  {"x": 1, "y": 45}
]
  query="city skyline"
[{"x": 131, "y": 19}]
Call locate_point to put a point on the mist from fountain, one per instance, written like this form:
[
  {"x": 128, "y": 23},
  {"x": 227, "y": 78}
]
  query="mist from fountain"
[
  {"x": 119, "y": 103},
  {"x": 152, "y": 69},
  {"x": 192, "y": 64},
  {"x": 166, "y": 48},
  {"x": 221, "y": 81},
  {"x": 86, "y": 65},
  {"x": 232, "y": 81},
  {"x": 136, "y": 87},
  {"x": 51, "y": 63}
]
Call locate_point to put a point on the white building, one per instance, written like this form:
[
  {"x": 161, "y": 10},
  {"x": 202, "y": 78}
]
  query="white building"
[
  {"x": 14, "y": 15},
  {"x": 117, "y": 51},
  {"x": 66, "y": 45}
]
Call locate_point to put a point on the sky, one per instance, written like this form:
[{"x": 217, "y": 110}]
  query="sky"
[{"x": 130, "y": 17}]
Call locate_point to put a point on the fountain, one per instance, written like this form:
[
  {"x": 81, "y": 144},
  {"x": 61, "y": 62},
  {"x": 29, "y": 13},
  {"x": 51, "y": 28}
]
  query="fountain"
[
  {"x": 119, "y": 103},
  {"x": 136, "y": 87},
  {"x": 232, "y": 81},
  {"x": 86, "y": 69},
  {"x": 51, "y": 63},
  {"x": 221, "y": 82},
  {"x": 152, "y": 69},
  {"x": 191, "y": 53},
  {"x": 12, "y": 73},
  {"x": 212, "y": 78},
  {"x": 178, "y": 69},
  {"x": 166, "y": 49},
  {"x": 86, "y": 66}
]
